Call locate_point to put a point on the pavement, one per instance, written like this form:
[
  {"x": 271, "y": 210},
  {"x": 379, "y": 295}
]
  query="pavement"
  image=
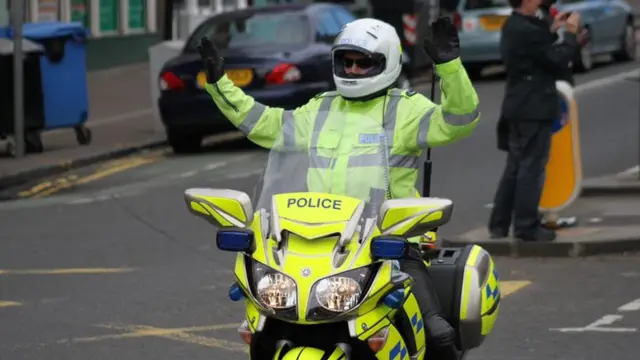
[
  {"x": 120, "y": 119},
  {"x": 605, "y": 224},
  {"x": 607, "y": 216},
  {"x": 623, "y": 183}
]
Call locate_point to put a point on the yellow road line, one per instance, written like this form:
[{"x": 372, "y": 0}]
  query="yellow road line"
[
  {"x": 509, "y": 287},
  {"x": 71, "y": 271},
  {"x": 178, "y": 334},
  {"x": 60, "y": 182},
  {"x": 130, "y": 164},
  {"x": 116, "y": 169},
  {"x": 137, "y": 331},
  {"x": 35, "y": 189},
  {"x": 112, "y": 167},
  {"x": 9, "y": 303},
  {"x": 208, "y": 342}
]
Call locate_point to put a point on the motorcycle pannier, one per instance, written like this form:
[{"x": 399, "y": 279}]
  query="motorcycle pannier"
[{"x": 467, "y": 285}]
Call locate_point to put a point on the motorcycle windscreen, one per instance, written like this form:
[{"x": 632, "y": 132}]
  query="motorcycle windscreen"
[{"x": 334, "y": 157}]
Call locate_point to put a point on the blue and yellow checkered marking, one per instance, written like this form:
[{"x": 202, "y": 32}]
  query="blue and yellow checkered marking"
[
  {"x": 398, "y": 350},
  {"x": 493, "y": 292},
  {"x": 417, "y": 324}
]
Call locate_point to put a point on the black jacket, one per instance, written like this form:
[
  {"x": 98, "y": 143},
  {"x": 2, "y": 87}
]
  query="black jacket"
[
  {"x": 567, "y": 74},
  {"x": 533, "y": 64}
]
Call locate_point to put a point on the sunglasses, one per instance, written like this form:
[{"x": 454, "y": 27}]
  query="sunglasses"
[{"x": 363, "y": 63}]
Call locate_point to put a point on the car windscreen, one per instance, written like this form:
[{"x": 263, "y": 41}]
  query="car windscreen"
[
  {"x": 485, "y": 4},
  {"x": 259, "y": 29}
]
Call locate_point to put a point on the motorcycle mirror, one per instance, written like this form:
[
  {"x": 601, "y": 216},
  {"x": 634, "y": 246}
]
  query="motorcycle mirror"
[
  {"x": 223, "y": 208},
  {"x": 413, "y": 217}
]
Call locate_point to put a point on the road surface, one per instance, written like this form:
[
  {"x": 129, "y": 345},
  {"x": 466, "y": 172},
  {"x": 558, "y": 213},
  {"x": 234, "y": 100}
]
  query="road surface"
[{"x": 108, "y": 264}]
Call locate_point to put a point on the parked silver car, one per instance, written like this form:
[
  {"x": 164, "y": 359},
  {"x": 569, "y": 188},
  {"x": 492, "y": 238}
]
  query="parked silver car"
[{"x": 609, "y": 22}]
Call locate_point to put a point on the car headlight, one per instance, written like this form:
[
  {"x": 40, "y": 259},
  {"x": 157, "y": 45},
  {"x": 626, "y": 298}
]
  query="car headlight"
[
  {"x": 272, "y": 288},
  {"x": 339, "y": 293}
]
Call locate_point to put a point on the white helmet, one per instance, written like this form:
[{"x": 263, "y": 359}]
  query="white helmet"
[{"x": 379, "y": 41}]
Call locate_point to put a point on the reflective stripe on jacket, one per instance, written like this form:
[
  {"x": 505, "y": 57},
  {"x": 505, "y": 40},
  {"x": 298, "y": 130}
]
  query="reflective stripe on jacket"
[{"x": 412, "y": 122}]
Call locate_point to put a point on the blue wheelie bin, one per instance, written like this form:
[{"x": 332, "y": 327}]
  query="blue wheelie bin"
[{"x": 64, "y": 75}]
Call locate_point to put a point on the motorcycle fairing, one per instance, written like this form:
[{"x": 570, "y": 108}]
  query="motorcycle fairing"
[{"x": 366, "y": 319}]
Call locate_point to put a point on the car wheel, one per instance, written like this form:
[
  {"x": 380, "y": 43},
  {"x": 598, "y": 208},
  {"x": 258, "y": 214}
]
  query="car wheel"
[
  {"x": 182, "y": 143},
  {"x": 583, "y": 61},
  {"x": 627, "y": 50}
]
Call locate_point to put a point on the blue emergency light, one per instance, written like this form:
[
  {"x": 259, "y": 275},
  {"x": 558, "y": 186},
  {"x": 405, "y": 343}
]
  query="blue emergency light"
[
  {"x": 394, "y": 299},
  {"x": 236, "y": 293},
  {"x": 389, "y": 247},
  {"x": 237, "y": 240}
]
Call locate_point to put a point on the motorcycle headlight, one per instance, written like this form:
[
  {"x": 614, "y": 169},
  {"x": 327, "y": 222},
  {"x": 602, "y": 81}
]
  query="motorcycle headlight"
[
  {"x": 272, "y": 288},
  {"x": 339, "y": 293},
  {"x": 277, "y": 291}
]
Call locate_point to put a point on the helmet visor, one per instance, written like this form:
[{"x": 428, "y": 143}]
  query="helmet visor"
[{"x": 352, "y": 63}]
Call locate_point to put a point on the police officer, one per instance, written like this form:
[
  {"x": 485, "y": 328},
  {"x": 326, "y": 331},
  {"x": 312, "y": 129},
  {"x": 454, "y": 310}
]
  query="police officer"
[{"x": 367, "y": 59}]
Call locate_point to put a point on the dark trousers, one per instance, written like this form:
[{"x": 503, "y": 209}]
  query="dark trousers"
[
  {"x": 520, "y": 187},
  {"x": 440, "y": 340}
]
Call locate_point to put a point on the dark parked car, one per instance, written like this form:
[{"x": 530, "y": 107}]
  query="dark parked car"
[{"x": 280, "y": 55}]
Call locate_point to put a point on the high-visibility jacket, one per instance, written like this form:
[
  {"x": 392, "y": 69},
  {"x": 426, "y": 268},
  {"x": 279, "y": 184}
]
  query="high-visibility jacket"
[{"x": 412, "y": 123}]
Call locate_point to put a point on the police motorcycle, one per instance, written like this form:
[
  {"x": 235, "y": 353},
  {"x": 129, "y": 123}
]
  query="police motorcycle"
[{"x": 317, "y": 251}]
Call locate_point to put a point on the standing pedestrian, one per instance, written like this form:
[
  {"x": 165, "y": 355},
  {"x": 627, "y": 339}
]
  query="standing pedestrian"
[{"x": 533, "y": 60}]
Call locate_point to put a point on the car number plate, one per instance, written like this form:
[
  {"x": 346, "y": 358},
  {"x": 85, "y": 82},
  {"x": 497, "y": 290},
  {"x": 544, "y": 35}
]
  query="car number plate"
[
  {"x": 238, "y": 77},
  {"x": 492, "y": 22},
  {"x": 201, "y": 79}
]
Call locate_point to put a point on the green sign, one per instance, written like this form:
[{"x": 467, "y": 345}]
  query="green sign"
[
  {"x": 137, "y": 16},
  {"x": 109, "y": 15},
  {"x": 79, "y": 12}
]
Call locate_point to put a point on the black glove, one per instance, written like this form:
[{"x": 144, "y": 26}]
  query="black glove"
[
  {"x": 212, "y": 61},
  {"x": 443, "y": 45}
]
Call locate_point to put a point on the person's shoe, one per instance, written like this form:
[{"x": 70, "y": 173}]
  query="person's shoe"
[{"x": 541, "y": 234}]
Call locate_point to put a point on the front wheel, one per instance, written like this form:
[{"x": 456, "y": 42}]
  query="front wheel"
[
  {"x": 309, "y": 353},
  {"x": 306, "y": 353}
]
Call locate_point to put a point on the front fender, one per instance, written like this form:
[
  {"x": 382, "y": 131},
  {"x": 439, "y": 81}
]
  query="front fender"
[{"x": 308, "y": 353}]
